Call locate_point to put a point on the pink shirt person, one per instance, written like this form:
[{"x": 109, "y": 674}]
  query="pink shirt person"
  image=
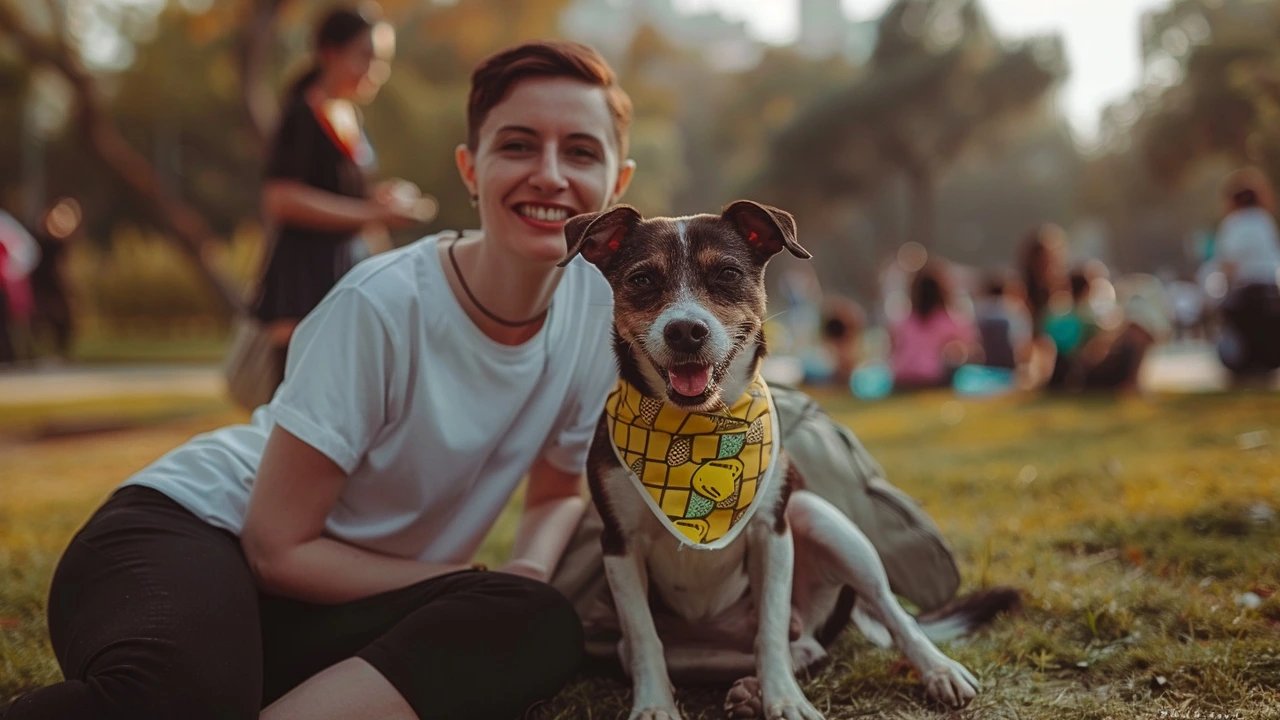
[{"x": 918, "y": 345}]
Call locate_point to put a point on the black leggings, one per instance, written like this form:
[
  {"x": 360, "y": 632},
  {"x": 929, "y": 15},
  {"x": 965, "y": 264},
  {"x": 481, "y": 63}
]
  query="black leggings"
[{"x": 153, "y": 613}]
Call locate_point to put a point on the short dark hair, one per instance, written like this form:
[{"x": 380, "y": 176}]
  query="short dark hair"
[
  {"x": 497, "y": 74},
  {"x": 1079, "y": 284},
  {"x": 930, "y": 291}
]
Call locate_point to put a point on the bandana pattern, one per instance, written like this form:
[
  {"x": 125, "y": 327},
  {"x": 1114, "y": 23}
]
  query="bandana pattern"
[{"x": 700, "y": 472}]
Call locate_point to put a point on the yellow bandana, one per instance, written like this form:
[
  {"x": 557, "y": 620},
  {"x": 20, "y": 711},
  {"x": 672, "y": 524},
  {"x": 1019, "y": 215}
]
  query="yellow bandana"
[{"x": 699, "y": 472}]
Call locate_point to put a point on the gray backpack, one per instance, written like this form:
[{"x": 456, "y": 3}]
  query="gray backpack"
[{"x": 837, "y": 467}]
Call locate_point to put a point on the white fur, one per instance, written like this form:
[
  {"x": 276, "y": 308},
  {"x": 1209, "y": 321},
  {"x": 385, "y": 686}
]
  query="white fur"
[{"x": 686, "y": 307}]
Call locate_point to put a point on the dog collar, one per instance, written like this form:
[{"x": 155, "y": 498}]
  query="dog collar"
[{"x": 700, "y": 473}]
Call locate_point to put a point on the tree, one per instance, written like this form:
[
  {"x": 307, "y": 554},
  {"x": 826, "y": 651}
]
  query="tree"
[
  {"x": 938, "y": 81},
  {"x": 103, "y": 137}
]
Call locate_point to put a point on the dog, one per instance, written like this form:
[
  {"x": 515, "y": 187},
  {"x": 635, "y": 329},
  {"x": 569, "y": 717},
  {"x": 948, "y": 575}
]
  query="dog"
[{"x": 720, "y": 564}]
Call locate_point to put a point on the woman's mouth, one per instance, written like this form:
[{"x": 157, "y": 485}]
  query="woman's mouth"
[{"x": 544, "y": 217}]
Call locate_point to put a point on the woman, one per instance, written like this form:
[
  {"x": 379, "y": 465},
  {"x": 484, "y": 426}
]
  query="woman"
[
  {"x": 1248, "y": 252},
  {"x": 316, "y": 562},
  {"x": 928, "y": 346},
  {"x": 1044, "y": 270},
  {"x": 316, "y": 191}
]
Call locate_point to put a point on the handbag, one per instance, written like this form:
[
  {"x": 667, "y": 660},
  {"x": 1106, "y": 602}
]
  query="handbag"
[{"x": 254, "y": 365}]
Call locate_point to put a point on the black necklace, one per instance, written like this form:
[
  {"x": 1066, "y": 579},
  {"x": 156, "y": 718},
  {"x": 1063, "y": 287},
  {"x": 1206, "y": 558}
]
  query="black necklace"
[{"x": 471, "y": 296}]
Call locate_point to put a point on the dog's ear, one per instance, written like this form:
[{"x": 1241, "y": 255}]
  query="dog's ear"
[
  {"x": 599, "y": 235},
  {"x": 768, "y": 229}
]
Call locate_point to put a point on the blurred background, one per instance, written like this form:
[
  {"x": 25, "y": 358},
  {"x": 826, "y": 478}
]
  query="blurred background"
[
  {"x": 135, "y": 130},
  {"x": 999, "y": 195}
]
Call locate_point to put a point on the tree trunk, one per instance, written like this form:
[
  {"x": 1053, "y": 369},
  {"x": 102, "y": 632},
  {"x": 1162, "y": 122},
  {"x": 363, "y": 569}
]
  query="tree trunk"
[
  {"x": 260, "y": 104},
  {"x": 185, "y": 223}
]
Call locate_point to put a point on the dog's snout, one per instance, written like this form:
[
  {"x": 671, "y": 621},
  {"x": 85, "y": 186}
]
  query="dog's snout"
[{"x": 685, "y": 336}]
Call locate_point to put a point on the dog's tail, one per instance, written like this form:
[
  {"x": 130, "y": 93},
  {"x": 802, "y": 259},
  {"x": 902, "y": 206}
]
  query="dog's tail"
[{"x": 956, "y": 619}]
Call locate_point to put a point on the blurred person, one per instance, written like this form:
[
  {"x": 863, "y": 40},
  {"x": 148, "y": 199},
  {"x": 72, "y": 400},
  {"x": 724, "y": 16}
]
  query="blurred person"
[
  {"x": 927, "y": 346},
  {"x": 53, "y": 318},
  {"x": 317, "y": 562},
  {"x": 1248, "y": 255},
  {"x": 1004, "y": 325},
  {"x": 1043, "y": 266},
  {"x": 1070, "y": 320},
  {"x": 843, "y": 322},
  {"x": 1112, "y": 359},
  {"x": 317, "y": 195},
  {"x": 19, "y": 255}
]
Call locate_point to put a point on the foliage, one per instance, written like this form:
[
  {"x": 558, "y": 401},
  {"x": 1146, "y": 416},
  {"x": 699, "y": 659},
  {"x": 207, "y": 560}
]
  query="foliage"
[{"x": 138, "y": 284}]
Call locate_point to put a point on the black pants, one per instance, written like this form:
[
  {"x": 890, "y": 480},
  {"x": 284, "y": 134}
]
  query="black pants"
[
  {"x": 1252, "y": 315},
  {"x": 153, "y": 613}
]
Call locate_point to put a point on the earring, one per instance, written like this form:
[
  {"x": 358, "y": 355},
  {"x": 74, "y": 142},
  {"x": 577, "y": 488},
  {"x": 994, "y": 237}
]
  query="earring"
[{"x": 475, "y": 201}]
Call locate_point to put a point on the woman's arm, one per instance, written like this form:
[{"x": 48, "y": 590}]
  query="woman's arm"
[
  {"x": 296, "y": 203},
  {"x": 296, "y": 488},
  {"x": 553, "y": 507}
]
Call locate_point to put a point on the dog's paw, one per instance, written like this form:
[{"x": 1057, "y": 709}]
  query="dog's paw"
[
  {"x": 791, "y": 707},
  {"x": 743, "y": 700},
  {"x": 656, "y": 713},
  {"x": 950, "y": 682}
]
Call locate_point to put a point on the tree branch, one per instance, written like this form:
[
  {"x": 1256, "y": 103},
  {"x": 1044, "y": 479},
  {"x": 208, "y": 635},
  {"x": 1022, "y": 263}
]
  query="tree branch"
[{"x": 185, "y": 222}]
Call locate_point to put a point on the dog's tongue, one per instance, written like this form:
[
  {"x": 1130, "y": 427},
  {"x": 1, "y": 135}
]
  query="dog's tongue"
[{"x": 690, "y": 380}]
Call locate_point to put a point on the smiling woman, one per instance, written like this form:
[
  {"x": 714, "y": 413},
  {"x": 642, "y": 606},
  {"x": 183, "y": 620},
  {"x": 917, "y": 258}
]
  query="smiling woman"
[{"x": 316, "y": 563}]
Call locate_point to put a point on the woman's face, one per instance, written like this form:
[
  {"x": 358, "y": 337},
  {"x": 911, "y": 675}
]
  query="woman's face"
[
  {"x": 357, "y": 70},
  {"x": 545, "y": 153}
]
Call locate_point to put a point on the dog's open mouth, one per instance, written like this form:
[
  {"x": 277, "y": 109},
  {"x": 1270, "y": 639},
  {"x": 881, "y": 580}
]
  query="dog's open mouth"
[{"x": 689, "y": 380}]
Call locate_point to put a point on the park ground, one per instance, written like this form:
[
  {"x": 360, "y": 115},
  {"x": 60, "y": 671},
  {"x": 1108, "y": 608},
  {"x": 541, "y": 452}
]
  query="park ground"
[{"x": 1141, "y": 530}]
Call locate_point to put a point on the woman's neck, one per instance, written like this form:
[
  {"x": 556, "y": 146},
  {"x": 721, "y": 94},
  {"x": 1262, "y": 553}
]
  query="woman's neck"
[{"x": 508, "y": 287}]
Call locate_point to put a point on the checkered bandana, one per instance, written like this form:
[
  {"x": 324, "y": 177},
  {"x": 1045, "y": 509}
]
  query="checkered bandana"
[{"x": 699, "y": 472}]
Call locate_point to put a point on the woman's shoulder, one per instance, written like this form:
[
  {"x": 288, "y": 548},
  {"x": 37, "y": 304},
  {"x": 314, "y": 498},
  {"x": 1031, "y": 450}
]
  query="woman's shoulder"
[{"x": 395, "y": 280}]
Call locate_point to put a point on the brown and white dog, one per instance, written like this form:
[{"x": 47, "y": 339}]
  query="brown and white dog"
[{"x": 689, "y": 300}]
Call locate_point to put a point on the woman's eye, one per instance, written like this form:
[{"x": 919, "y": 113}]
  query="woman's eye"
[
  {"x": 584, "y": 154},
  {"x": 729, "y": 274},
  {"x": 641, "y": 279}
]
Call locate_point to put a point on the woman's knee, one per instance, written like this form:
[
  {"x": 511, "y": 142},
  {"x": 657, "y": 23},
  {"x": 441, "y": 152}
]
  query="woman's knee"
[{"x": 541, "y": 627}]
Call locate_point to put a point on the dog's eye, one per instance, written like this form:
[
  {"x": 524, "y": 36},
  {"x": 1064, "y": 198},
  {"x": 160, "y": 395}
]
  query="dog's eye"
[
  {"x": 729, "y": 274},
  {"x": 641, "y": 279}
]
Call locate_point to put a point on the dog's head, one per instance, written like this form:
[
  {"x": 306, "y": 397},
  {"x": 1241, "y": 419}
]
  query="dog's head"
[{"x": 689, "y": 296}]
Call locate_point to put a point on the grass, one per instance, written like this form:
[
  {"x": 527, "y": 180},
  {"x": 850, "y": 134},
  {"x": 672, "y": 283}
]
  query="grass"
[{"x": 1132, "y": 527}]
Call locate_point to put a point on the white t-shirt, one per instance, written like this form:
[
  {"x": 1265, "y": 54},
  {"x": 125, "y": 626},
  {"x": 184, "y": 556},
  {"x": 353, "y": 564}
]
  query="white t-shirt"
[
  {"x": 434, "y": 422},
  {"x": 1249, "y": 239}
]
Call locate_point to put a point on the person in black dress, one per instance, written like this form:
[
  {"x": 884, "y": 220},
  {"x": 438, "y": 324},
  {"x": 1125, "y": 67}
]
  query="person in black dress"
[{"x": 317, "y": 193}]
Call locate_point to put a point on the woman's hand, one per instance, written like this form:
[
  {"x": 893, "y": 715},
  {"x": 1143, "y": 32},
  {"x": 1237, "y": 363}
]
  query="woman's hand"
[{"x": 403, "y": 203}]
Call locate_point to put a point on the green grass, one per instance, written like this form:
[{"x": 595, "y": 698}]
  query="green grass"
[{"x": 1130, "y": 525}]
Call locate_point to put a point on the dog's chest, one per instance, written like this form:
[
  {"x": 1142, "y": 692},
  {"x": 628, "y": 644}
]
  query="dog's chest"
[{"x": 695, "y": 584}]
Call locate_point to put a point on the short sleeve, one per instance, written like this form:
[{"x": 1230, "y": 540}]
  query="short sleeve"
[
  {"x": 339, "y": 368},
  {"x": 292, "y": 148},
  {"x": 570, "y": 440}
]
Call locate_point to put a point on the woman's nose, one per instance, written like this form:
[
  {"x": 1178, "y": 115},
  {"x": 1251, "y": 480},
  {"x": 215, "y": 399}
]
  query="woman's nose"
[{"x": 548, "y": 178}]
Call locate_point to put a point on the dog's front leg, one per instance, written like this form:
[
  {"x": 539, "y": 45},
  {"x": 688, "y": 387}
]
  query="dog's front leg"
[
  {"x": 770, "y": 560},
  {"x": 641, "y": 648}
]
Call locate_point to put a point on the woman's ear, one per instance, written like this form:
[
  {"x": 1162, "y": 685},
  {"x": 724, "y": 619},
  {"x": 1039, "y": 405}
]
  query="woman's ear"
[
  {"x": 466, "y": 161},
  {"x": 625, "y": 172}
]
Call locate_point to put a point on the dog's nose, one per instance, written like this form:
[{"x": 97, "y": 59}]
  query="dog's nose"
[{"x": 685, "y": 336}]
